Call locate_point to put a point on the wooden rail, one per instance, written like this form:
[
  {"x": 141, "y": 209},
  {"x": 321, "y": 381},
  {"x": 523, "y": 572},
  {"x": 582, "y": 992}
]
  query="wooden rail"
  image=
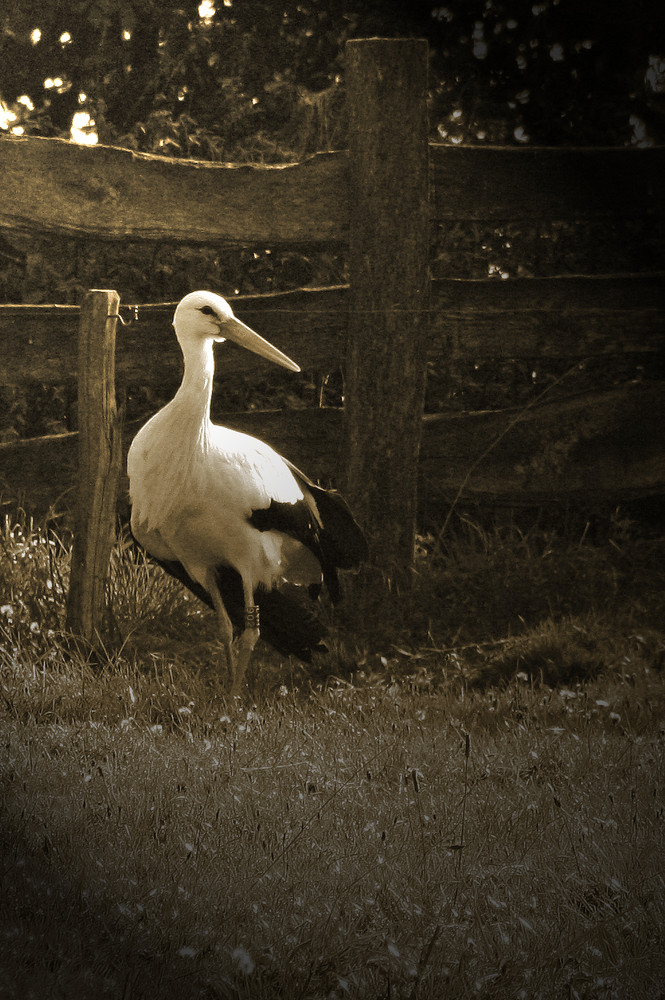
[
  {"x": 555, "y": 317},
  {"x": 115, "y": 194},
  {"x": 585, "y": 450},
  {"x": 485, "y": 182},
  {"x": 53, "y": 186}
]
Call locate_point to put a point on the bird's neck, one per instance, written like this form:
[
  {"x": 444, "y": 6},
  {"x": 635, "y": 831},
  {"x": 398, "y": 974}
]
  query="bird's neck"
[{"x": 195, "y": 391}]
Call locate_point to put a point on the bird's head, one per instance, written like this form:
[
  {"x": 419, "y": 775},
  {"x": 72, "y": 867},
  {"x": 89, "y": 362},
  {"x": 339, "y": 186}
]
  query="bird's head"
[{"x": 202, "y": 316}]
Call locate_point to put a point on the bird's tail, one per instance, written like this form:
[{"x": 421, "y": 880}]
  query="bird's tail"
[{"x": 289, "y": 624}]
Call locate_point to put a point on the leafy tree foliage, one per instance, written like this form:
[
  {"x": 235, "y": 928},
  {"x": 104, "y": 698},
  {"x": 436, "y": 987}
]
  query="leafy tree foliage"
[
  {"x": 257, "y": 79},
  {"x": 552, "y": 72}
]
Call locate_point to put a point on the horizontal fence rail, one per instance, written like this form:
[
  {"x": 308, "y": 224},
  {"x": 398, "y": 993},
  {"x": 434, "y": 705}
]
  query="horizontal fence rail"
[
  {"x": 563, "y": 451},
  {"x": 53, "y": 186},
  {"x": 57, "y": 187},
  {"x": 486, "y": 182},
  {"x": 557, "y": 317}
]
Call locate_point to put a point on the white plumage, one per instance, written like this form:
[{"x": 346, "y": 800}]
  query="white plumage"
[{"x": 227, "y": 515}]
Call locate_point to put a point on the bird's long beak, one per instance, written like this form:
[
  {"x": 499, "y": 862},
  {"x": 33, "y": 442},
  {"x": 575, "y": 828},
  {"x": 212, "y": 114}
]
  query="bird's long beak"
[{"x": 240, "y": 334}]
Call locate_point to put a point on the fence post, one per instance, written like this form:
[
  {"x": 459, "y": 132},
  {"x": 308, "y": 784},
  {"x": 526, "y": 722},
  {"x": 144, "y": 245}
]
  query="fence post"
[
  {"x": 100, "y": 457},
  {"x": 389, "y": 295}
]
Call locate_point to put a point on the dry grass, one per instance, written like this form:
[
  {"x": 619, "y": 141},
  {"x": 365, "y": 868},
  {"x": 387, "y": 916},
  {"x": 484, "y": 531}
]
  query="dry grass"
[{"x": 480, "y": 818}]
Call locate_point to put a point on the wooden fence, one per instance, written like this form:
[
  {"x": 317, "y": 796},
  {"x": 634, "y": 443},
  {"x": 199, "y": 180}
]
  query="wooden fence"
[{"x": 379, "y": 198}]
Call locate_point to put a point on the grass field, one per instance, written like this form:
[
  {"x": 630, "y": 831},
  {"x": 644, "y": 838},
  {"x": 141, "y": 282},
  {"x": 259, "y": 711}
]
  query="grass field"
[{"x": 465, "y": 800}]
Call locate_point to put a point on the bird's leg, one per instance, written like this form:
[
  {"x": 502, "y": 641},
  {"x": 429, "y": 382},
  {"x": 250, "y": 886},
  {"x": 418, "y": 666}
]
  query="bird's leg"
[
  {"x": 224, "y": 624},
  {"x": 248, "y": 638}
]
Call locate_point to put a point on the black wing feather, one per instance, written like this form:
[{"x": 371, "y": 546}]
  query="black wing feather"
[{"x": 323, "y": 522}]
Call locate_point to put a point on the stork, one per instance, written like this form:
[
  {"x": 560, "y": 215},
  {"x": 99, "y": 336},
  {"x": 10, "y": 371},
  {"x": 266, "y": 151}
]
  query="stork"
[{"x": 229, "y": 517}]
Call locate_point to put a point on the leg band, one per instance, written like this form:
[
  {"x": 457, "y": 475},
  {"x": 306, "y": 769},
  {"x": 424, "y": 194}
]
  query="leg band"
[{"x": 252, "y": 616}]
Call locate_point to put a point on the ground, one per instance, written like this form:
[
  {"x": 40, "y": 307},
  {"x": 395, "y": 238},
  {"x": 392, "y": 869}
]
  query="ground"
[{"x": 478, "y": 819}]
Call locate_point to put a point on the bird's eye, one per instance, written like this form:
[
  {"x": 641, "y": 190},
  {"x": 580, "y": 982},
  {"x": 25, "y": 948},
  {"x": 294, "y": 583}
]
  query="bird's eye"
[{"x": 207, "y": 310}]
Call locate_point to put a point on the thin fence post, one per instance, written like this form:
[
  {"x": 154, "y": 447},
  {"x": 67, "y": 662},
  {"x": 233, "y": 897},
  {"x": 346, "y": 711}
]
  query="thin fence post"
[
  {"x": 389, "y": 295},
  {"x": 100, "y": 457}
]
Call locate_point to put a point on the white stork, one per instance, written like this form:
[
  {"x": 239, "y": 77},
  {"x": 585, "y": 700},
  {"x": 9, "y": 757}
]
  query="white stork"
[{"x": 229, "y": 517}]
